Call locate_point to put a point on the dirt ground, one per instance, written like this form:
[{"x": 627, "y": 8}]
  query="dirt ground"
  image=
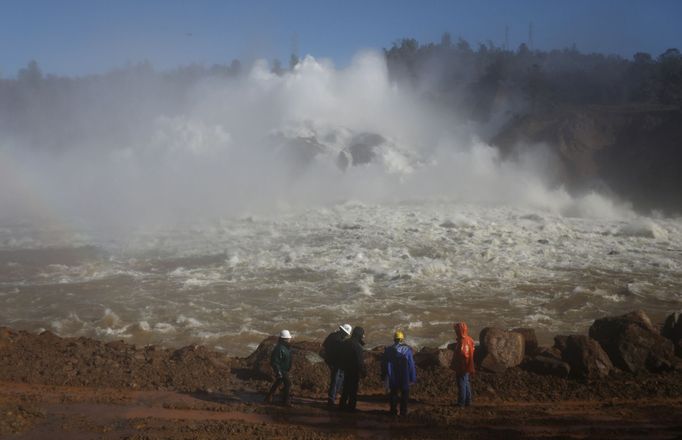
[
  {"x": 77, "y": 388},
  {"x": 56, "y": 412}
]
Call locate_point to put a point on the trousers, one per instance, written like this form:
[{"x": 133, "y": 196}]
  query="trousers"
[
  {"x": 464, "y": 397},
  {"x": 335, "y": 382},
  {"x": 404, "y": 397},
  {"x": 349, "y": 394},
  {"x": 283, "y": 380}
]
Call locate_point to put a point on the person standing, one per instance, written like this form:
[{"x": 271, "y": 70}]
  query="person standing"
[
  {"x": 463, "y": 363},
  {"x": 331, "y": 353},
  {"x": 280, "y": 360},
  {"x": 398, "y": 367},
  {"x": 353, "y": 366}
]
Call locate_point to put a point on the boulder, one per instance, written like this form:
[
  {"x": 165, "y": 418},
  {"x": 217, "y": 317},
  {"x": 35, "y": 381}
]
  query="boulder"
[
  {"x": 259, "y": 360},
  {"x": 551, "y": 352},
  {"x": 500, "y": 349},
  {"x": 363, "y": 146},
  {"x": 586, "y": 357},
  {"x": 641, "y": 318},
  {"x": 672, "y": 329},
  {"x": 308, "y": 369},
  {"x": 429, "y": 357},
  {"x": 633, "y": 343},
  {"x": 530, "y": 340},
  {"x": 547, "y": 366},
  {"x": 361, "y": 153}
]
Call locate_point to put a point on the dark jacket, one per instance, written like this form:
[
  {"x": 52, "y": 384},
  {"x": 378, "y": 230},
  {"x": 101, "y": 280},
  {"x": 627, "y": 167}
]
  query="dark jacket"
[
  {"x": 398, "y": 365},
  {"x": 332, "y": 346},
  {"x": 280, "y": 359},
  {"x": 352, "y": 360}
]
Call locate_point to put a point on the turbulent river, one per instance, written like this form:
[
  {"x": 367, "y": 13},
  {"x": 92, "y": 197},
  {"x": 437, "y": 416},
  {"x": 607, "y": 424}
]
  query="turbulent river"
[
  {"x": 302, "y": 201},
  {"x": 417, "y": 265}
]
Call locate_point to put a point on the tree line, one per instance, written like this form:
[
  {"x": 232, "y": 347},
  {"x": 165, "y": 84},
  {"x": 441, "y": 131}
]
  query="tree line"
[{"x": 475, "y": 80}]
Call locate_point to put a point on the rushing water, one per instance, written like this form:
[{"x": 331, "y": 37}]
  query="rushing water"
[
  {"x": 416, "y": 265},
  {"x": 434, "y": 225}
]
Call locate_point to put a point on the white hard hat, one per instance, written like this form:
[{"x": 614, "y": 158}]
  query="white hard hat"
[
  {"x": 284, "y": 334},
  {"x": 346, "y": 328}
]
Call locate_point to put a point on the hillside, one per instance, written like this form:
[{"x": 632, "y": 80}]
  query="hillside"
[{"x": 631, "y": 151}]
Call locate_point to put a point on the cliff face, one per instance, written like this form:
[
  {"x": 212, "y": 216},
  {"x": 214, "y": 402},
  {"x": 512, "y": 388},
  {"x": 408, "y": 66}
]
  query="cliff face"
[{"x": 634, "y": 152}]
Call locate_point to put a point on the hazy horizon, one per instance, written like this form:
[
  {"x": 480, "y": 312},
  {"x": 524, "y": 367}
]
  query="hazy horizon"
[{"x": 78, "y": 38}]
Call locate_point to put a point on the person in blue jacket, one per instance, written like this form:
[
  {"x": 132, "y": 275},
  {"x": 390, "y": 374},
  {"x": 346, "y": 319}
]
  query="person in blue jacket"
[{"x": 398, "y": 367}]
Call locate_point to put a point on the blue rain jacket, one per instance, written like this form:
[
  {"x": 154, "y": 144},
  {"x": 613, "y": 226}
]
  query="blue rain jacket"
[{"x": 398, "y": 366}]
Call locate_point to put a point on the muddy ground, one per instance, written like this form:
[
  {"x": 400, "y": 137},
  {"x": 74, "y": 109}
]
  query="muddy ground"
[{"x": 77, "y": 388}]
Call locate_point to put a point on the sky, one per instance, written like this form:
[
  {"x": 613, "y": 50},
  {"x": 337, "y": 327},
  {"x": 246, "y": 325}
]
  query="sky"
[{"x": 79, "y": 37}]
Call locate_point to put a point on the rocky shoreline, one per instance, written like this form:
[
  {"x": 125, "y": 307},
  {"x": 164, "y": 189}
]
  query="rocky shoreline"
[{"x": 625, "y": 369}]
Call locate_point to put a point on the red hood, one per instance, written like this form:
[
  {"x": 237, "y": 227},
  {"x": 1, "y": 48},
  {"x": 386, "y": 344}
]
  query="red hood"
[
  {"x": 463, "y": 358},
  {"x": 461, "y": 329}
]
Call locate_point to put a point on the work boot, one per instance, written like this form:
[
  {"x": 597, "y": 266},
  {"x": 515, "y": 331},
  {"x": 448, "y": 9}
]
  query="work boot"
[
  {"x": 287, "y": 403},
  {"x": 330, "y": 403}
]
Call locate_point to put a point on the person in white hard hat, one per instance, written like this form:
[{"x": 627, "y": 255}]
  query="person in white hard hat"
[
  {"x": 331, "y": 353},
  {"x": 280, "y": 360},
  {"x": 354, "y": 368}
]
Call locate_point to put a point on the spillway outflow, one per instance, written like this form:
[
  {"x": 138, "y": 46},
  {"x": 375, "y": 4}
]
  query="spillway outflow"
[{"x": 303, "y": 200}]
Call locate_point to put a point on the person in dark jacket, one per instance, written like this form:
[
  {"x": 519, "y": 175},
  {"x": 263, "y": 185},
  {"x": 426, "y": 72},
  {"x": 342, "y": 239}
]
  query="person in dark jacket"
[
  {"x": 398, "y": 367},
  {"x": 353, "y": 366},
  {"x": 331, "y": 353},
  {"x": 280, "y": 360}
]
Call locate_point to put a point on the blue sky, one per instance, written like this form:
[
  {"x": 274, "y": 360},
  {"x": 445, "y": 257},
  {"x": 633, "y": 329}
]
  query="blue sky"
[{"x": 75, "y": 37}]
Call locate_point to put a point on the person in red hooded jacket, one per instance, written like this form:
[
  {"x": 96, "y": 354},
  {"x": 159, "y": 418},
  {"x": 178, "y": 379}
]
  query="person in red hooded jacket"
[{"x": 463, "y": 363}]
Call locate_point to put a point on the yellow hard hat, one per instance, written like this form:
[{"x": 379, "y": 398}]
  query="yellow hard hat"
[{"x": 398, "y": 335}]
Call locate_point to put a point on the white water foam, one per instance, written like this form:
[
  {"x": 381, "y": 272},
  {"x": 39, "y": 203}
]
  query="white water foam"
[{"x": 234, "y": 216}]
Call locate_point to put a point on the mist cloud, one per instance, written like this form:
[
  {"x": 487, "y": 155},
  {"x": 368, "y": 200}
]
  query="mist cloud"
[{"x": 130, "y": 149}]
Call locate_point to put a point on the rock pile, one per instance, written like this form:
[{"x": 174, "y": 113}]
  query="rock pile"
[
  {"x": 530, "y": 340},
  {"x": 586, "y": 357},
  {"x": 633, "y": 343},
  {"x": 628, "y": 343},
  {"x": 547, "y": 362},
  {"x": 49, "y": 359},
  {"x": 308, "y": 369},
  {"x": 429, "y": 357},
  {"x": 672, "y": 329}
]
